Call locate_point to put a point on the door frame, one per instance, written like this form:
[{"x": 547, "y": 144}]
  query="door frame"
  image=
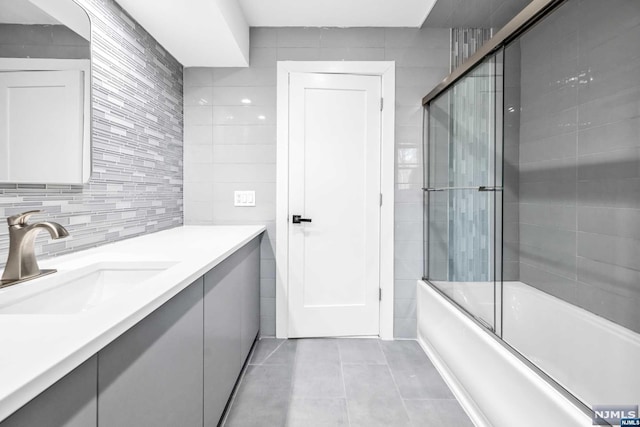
[{"x": 386, "y": 70}]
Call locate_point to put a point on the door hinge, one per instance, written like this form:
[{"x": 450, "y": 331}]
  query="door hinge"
[
  {"x": 379, "y": 294},
  {"x": 381, "y": 103},
  {"x": 380, "y": 199}
]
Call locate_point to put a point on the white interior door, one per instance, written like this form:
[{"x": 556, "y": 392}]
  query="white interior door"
[
  {"x": 334, "y": 180},
  {"x": 41, "y": 126}
]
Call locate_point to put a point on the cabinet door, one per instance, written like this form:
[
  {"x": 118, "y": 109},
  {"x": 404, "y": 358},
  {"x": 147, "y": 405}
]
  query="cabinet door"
[
  {"x": 71, "y": 402},
  {"x": 231, "y": 323},
  {"x": 250, "y": 304},
  {"x": 152, "y": 374},
  {"x": 222, "y": 295}
]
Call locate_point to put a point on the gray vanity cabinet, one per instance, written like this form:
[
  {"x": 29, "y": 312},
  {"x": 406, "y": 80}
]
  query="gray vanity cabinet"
[
  {"x": 175, "y": 367},
  {"x": 71, "y": 402},
  {"x": 231, "y": 322},
  {"x": 250, "y": 302},
  {"x": 222, "y": 344},
  {"x": 152, "y": 374}
]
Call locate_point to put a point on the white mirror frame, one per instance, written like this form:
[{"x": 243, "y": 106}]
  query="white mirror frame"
[{"x": 71, "y": 19}]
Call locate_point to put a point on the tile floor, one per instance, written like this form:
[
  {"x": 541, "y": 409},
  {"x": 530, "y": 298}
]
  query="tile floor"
[{"x": 342, "y": 382}]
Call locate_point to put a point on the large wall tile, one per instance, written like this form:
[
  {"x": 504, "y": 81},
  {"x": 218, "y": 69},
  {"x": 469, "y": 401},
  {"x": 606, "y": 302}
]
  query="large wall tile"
[
  {"x": 612, "y": 250},
  {"x": 352, "y": 37},
  {"x": 244, "y": 146},
  {"x": 298, "y": 37},
  {"x": 580, "y": 157},
  {"x": 612, "y": 222}
]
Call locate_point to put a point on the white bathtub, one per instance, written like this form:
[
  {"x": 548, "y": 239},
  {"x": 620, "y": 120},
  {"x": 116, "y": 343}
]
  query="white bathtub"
[{"x": 595, "y": 359}]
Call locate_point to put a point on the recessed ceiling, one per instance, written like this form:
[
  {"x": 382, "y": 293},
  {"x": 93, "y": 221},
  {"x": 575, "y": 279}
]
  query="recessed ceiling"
[
  {"x": 199, "y": 33},
  {"x": 215, "y": 33},
  {"x": 336, "y": 13},
  {"x": 24, "y": 12}
]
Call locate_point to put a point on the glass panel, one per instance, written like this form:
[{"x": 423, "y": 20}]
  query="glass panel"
[
  {"x": 437, "y": 202},
  {"x": 572, "y": 206},
  {"x": 461, "y": 225}
]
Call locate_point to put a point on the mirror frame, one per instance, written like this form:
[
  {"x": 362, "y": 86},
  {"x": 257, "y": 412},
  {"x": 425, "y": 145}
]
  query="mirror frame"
[
  {"x": 88, "y": 126},
  {"x": 86, "y": 176}
]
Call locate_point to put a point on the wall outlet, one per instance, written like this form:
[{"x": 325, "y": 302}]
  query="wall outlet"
[{"x": 244, "y": 198}]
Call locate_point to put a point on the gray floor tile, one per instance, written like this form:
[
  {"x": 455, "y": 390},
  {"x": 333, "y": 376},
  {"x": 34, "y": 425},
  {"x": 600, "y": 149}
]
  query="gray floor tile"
[
  {"x": 380, "y": 412},
  {"x": 420, "y": 382},
  {"x": 264, "y": 348},
  {"x": 317, "y": 413},
  {"x": 350, "y": 382},
  {"x": 267, "y": 378},
  {"x": 437, "y": 413},
  {"x": 285, "y": 354},
  {"x": 404, "y": 353},
  {"x": 369, "y": 381},
  {"x": 361, "y": 351},
  {"x": 317, "y": 350},
  {"x": 318, "y": 380},
  {"x": 258, "y": 410},
  {"x": 262, "y": 397}
]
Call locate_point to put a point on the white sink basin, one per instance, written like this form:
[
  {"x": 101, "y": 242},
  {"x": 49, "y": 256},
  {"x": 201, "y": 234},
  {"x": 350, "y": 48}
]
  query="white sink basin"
[{"x": 80, "y": 290}]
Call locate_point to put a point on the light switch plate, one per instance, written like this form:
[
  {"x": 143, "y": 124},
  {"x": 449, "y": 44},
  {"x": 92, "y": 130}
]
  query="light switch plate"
[{"x": 244, "y": 198}]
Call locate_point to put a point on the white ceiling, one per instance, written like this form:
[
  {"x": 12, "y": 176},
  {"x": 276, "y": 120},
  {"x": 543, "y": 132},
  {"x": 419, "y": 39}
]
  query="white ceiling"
[
  {"x": 69, "y": 13},
  {"x": 215, "y": 33},
  {"x": 23, "y": 12},
  {"x": 336, "y": 13},
  {"x": 199, "y": 33}
]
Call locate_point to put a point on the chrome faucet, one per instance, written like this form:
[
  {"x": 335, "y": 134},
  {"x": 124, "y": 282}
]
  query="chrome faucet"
[{"x": 22, "y": 264}]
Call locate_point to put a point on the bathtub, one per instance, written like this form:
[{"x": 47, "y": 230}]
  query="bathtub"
[{"x": 594, "y": 358}]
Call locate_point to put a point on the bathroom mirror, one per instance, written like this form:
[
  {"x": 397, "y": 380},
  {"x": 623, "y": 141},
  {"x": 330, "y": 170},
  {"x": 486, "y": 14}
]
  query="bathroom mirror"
[{"x": 45, "y": 92}]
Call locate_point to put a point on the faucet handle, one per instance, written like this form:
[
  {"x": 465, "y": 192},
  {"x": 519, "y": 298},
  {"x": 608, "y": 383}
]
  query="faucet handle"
[{"x": 21, "y": 219}]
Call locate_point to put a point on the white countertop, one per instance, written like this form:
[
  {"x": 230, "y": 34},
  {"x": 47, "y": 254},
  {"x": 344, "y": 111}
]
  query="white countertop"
[{"x": 37, "y": 350}]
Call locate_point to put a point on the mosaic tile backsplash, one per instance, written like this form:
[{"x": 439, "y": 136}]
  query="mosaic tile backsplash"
[
  {"x": 465, "y": 42},
  {"x": 136, "y": 186}
]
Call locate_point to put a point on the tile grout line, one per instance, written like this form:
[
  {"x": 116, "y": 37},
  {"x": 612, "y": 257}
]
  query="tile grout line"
[
  {"x": 269, "y": 355},
  {"x": 344, "y": 384},
  {"x": 404, "y": 406},
  {"x": 293, "y": 372}
]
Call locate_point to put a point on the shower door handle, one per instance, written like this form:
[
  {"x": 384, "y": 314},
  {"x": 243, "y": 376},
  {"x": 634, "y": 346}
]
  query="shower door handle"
[{"x": 481, "y": 188}]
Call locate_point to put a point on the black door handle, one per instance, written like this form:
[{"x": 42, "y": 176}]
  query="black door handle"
[{"x": 297, "y": 219}]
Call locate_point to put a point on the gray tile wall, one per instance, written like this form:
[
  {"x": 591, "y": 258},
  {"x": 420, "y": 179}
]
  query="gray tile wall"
[
  {"x": 228, "y": 147},
  {"x": 580, "y": 157},
  {"x": 136, "y": 187},
  {"x": 42, "y": 41}
]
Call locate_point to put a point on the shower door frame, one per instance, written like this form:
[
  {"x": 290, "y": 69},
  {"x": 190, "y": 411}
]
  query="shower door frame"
[
  {"x": 496, "y": 332},
  {"x": 496, "y": 167},
  {"x": 532, "y": 14}
]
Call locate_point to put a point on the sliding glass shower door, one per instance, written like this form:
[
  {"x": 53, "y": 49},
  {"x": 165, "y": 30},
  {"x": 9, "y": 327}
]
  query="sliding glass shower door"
[
  {"x": 535, "y": 150},
  {"x": 462, "y": 193}
]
